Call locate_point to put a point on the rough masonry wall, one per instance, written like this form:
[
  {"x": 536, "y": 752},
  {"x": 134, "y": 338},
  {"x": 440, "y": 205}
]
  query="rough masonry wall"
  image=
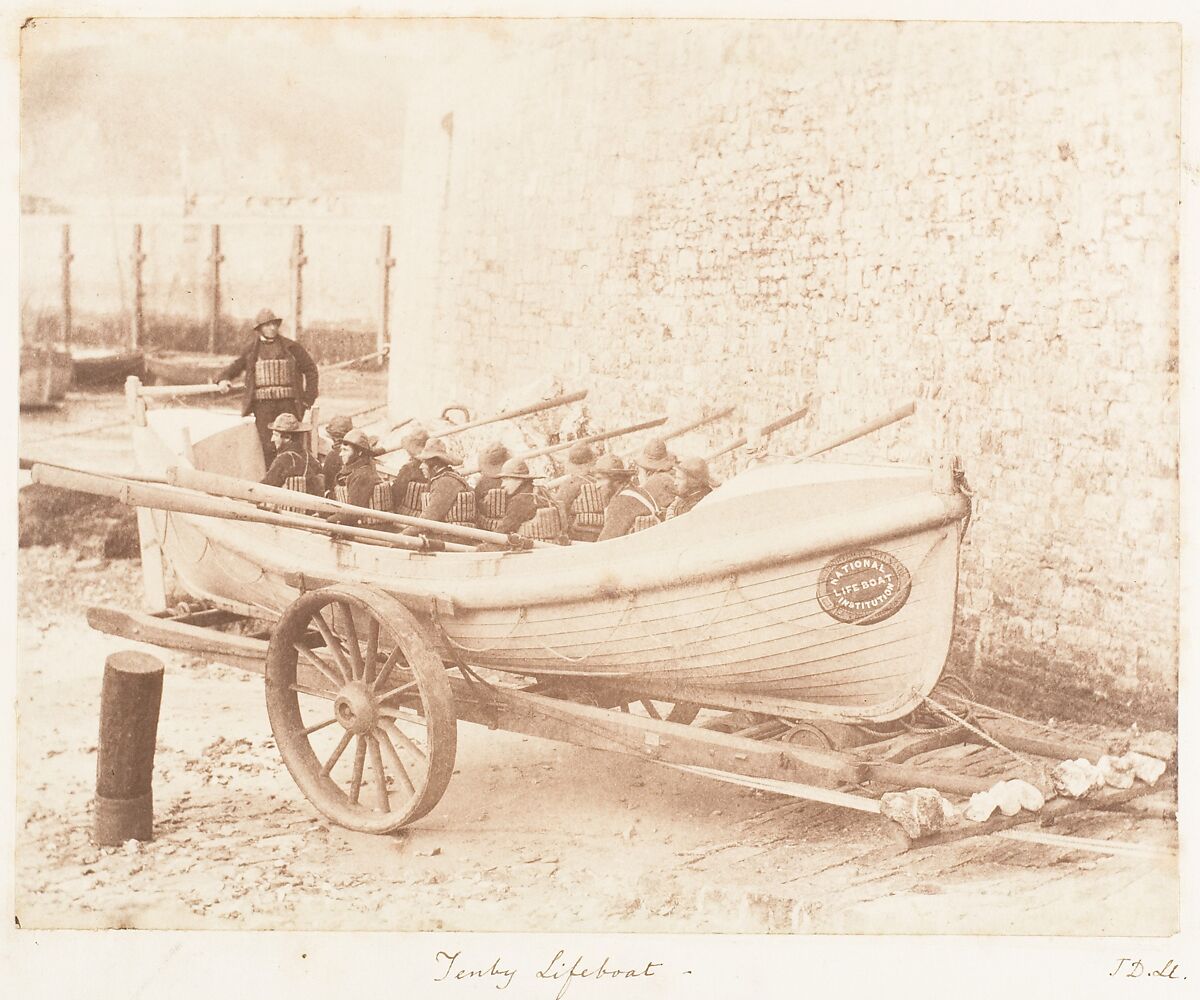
[{"x": 982, "y": 217}]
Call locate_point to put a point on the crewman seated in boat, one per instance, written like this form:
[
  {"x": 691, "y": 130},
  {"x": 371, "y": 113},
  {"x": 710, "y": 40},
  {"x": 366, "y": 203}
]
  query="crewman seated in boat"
[
  {"x": 410, "y": 487},
  {"x": 529, "y": 510},
  {"x": 450, "y": 498},
  {"x": 294, "y": 466},
  {"x": 693, "y": 482},
  {"x": 337, "y": 429},
  {"x": 611, "y": 477},
  {"x": 636, "y": 508},
  {"x": 489, "y": 494},
  {"x": 578, "y": 495},
  {"x": 358, "y": 481},
  {"x": 656, "y": 467}
]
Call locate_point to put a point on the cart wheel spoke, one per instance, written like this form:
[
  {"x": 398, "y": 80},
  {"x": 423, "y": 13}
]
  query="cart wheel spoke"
[
  {"x": 334, "y": 645},
  {"x": 338, "y": 751},
  {"x": 385, "y": 744},
  {"x": 360, "y": 759},
  {"x": 326, "y": 670},
  {"x": 381, "y": 788},
  {"x": 371, "y": 657},
  {"x": 319, "y": 726},
  {"x": 356, "y": 657},
  {"x": 323, "y": 693},
  {"x": 402, "y": 743},
  {"x": 386, "y": 671},
  {"x": 395, "y": 691}
]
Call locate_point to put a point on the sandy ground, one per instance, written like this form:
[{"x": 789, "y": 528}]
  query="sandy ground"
[{"x": 531, "y": 835}]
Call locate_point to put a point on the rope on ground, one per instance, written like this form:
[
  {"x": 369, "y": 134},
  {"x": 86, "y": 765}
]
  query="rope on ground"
[{"x": 1022, "y": 759}]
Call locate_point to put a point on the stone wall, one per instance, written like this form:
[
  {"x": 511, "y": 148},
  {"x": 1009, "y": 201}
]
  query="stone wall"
[{"x": 981, "y": 217}]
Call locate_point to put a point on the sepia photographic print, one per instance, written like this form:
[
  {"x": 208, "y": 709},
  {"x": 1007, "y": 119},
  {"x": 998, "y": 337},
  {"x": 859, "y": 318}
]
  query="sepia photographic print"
[{"x": 599, "y": 476}]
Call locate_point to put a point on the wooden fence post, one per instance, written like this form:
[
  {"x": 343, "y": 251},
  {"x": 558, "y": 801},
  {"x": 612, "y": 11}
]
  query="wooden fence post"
[
  {"x": 136, "y": 329},
  {"x": 66, "y": 257},
  {"x": 215, "y": 259},
  {"x": 386, "y": 263},
  {"x": 298, "y": 261},
  {"x": 130, "y": 699}
]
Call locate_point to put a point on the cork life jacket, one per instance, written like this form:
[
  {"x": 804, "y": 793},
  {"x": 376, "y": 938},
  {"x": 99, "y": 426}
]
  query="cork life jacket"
[
  {"x": 681, "y": 505},
  {"x": 546, "y": 525},
  {"x": 587, "y": 509},
  {"x": 306, "y": 477},
  {"x": 653, "y": 514},
  {"x": 492, "y": 508},
  {"x": 381, "y": 492},
  {"x": 275, "y": 378},
  {"x": 462, "y": 512}
]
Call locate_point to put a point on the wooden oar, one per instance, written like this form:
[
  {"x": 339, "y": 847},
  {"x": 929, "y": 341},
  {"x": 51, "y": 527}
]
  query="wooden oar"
[
  {"x": 698, "y": 422},
  {"x": 870, "y": 427},
  {"x": 182, "y": 501},
  {"x": 167, "y": 391},
  {"x": 522, "y": 411},
  {"x": 763, "y": 431},
  {"x": 138, "y": 477},
  {"x": 590, "y": 439},
  {"x": 240, "y": 489},
  {"x": 354, "y": 361}
]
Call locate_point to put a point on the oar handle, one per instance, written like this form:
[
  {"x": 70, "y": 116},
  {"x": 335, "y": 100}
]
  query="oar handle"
[
  {"x": 167, "y": 391},
  {"x": 870, "y": 427},
  {"x": 764, "y": 431},
  {"x": 522, "y": 411}
]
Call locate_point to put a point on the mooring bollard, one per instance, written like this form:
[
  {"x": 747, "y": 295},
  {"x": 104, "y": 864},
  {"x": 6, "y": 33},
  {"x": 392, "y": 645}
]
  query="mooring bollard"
[{"x": 129, "y": 703}]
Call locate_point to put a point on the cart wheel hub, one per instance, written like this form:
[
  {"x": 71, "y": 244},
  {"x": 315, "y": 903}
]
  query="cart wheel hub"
[{"x": 355, "y": 708}]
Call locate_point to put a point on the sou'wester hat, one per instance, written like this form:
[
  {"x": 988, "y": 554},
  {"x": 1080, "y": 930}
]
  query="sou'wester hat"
[
  {"x": 612, "y": 467},
  {"x": 358, "y": 439},
  {"x": 492, "y": 459},
  {"x": 655, "y": 457},
  {"x": 339, "y": 426},
  {"x": 286, "y": 423},
  {"x": 696, "y": 469},
  {"x": 517, "y": 468},
  {"x": 436, "y": 450},
  {"x": 265, "y": 317},
  {"x": 581, "y": 457}
]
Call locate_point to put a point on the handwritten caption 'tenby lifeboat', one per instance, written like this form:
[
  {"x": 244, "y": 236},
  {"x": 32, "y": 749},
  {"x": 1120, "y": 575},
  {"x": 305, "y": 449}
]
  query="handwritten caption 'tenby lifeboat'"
[{"x": 863, "y": 587}]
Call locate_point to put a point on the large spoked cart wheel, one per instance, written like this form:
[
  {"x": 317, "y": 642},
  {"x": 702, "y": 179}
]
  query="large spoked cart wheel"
[{"x": 360, "y": 708}]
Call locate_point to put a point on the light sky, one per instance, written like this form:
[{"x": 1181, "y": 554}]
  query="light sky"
[{"x": 128, "y": 107}]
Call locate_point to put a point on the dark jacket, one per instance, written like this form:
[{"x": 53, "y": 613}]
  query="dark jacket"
[
  {"x": 358, "y": 479},
  {"x": 293, "y": 461},
  {"x": 306, "y": 379}
]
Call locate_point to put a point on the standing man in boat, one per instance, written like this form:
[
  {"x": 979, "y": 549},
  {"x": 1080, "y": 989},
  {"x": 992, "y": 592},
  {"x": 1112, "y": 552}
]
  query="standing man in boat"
[
  {"x": 529, "y": 510},
  {"x": 280, "y": 377},
  {"x": 451, "y": 498},
  {"x": 489, "y": 492},
  {"x": 294, "y": 466},
  {"x": 578, "y": 495},
  {"x": 410, "y": 488},
  {"x": 693, "y": 482},
  {"x": 358, "y": 481}
]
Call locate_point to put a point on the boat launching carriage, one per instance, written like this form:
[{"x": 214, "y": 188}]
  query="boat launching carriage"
[{"x": 801, "y": 612}]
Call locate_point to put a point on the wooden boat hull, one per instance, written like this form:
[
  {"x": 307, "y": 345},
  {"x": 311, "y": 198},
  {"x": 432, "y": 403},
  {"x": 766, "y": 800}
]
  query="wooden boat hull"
[
  {"x": 95, "y": 367},
  {"x": 180, "y": 368},
  {"x": 751, "y": 600},
  {"x": 45, "y": 377}
]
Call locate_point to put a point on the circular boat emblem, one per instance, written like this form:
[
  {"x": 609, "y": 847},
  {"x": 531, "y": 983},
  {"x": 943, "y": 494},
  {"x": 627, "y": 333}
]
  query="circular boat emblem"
[{"x": 863, "y": 587}]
